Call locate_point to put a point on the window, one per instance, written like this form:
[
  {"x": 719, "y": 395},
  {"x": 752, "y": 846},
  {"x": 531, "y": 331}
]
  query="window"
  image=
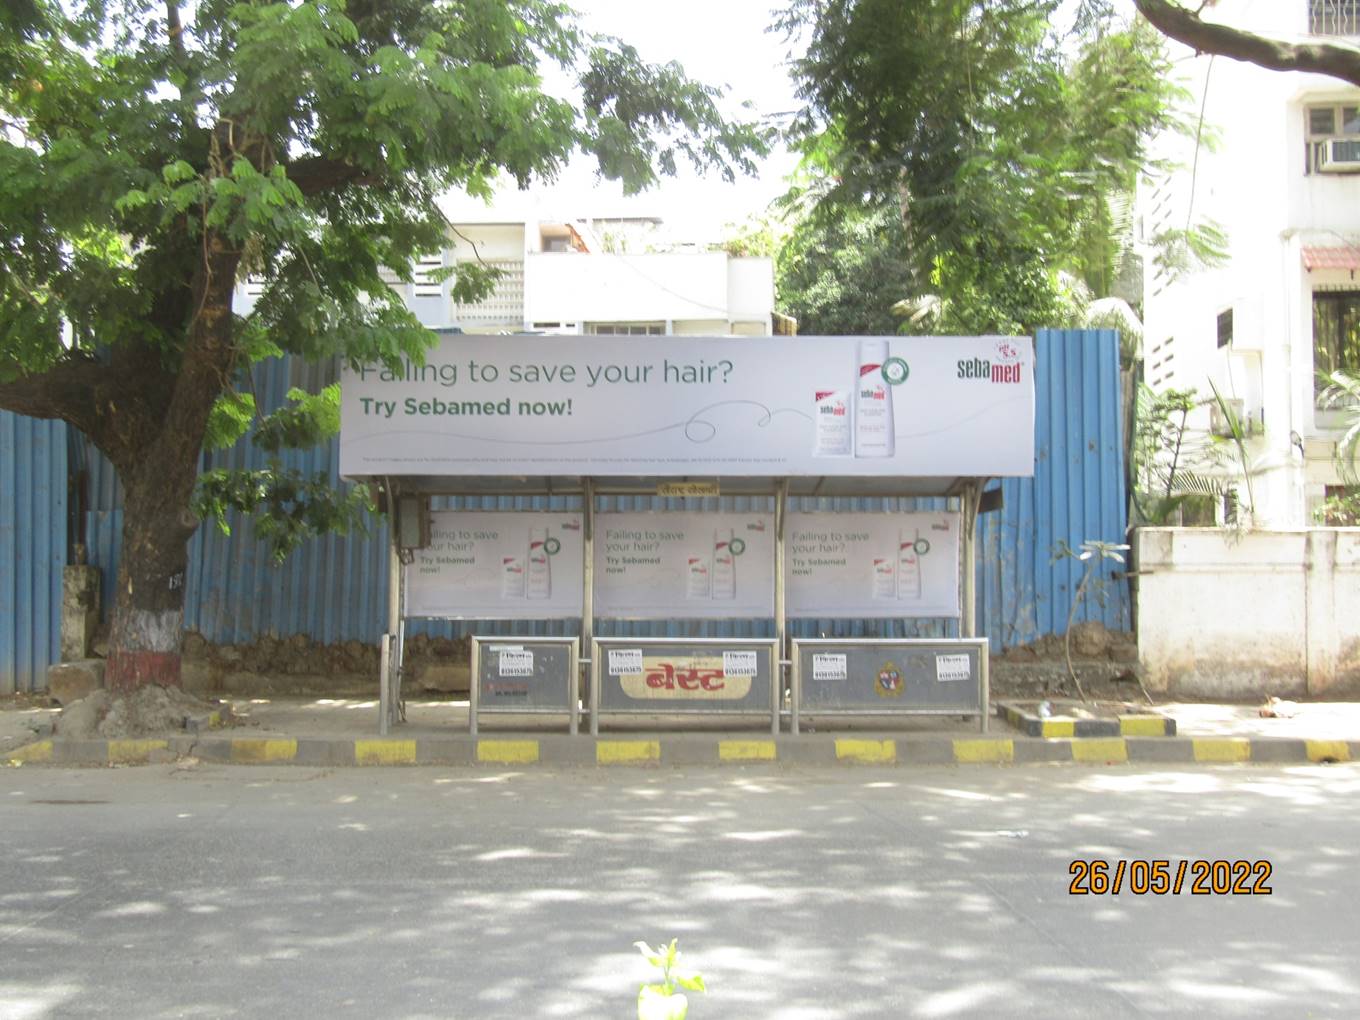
[
  {"x": 626, "y": 328},
  {"x": 1334, "y": 17},
  {"x": 1225, "y": 328},
  {"x": 424, "y": 285},
  {"x": 1336, "y": 332},
  {"x": 1333, "y": 137}
]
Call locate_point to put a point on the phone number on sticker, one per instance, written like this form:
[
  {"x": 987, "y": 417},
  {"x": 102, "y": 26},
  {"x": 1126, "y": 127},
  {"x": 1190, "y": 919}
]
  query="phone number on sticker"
[{"x": 1165, "y": 877}]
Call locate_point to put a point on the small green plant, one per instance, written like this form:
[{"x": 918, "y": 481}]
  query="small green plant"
[
  {"x": 661, "y": 1001},
  {"x": 1092, "y": 553}
]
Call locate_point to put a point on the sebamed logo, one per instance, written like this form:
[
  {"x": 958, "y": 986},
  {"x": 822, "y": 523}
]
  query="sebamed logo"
[{"x": 1004, "y": 366}]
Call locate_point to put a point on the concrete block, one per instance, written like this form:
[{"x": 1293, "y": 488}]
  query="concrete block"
[
  {"x": 71, "y": 681},
  {"x": 449, "y": 677},
  {"x": 79, "y": 610}
]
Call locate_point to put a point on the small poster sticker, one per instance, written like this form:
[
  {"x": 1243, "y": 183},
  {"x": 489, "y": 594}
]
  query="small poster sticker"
[
  {"x": 625, "y": 661},
  {"x": 953, "y": 667},
  {"x": 515, "y": 662},
  {"x": 829, "y": 667},
  {"x": 739, "y": 663}
]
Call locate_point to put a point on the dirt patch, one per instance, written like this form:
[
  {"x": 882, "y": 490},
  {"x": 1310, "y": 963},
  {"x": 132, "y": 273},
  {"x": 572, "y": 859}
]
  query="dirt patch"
[{"x": 148, "y": 711}]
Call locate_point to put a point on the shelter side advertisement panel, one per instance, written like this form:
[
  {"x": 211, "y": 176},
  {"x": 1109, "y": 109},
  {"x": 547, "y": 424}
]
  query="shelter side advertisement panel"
[
  {"x": 671, "y": 406},
  {"x": 872, "y": 564},
  {"x": 498, "y": 566},
  {"x": 658, "y": 566}
]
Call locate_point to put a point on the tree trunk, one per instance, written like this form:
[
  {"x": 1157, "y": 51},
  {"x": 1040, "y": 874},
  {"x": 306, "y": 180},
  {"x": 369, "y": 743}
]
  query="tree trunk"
[
  {"x": 158, "y": 486},
  {"x": 148, "y": 615}
]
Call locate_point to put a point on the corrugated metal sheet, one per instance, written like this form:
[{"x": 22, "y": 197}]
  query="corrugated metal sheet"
[
  {"x": 1076, "y": 494},
  {"x": 33, "y": 472},
  {"x": 335, "y": 588}
]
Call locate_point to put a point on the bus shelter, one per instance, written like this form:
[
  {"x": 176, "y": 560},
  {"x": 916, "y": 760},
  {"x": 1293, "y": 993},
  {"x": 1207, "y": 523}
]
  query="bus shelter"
[{"x": 693, "y": 417}]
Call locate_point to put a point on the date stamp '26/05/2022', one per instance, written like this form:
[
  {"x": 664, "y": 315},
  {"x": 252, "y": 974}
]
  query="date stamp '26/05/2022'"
[{"x": 1162, "y": 877}]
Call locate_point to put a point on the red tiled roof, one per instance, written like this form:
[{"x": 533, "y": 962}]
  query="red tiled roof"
[{"x": 1331, "y": 258}]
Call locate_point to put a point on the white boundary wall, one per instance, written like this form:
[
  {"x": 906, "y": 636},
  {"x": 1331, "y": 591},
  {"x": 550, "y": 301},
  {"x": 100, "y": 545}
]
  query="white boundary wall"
[{"x": 1244, "y": 616}]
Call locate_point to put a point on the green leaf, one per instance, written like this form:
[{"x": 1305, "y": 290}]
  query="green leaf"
[{"x": 691, "y": 980}]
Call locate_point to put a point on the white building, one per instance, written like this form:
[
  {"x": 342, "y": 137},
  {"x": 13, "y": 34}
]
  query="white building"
[
  {"x": 1281, "y": 177},
  {"x": 599, "y": 275}
]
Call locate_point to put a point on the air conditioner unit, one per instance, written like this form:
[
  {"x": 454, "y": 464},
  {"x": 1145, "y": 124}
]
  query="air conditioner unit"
[
  {"x": 1339, "y": 156},
  {"x": 1248, "y": 421}
]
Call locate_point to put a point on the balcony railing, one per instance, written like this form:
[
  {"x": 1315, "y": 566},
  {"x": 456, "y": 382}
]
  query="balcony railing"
[{"x": 1334, "y": 17}]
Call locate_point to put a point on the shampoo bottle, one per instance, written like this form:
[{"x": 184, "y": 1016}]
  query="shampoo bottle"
[
  {"x": 883, "y": 578},
  {"x": 512, "y": 577},
  {"x": 538, "y": 581},
  {"x": 873, "y": 402},
  {"x": 696, "y": 582},
  {"x": 908, "y": 566},
  {"x": 832, "y": 436},
  {"x": 724, "y": 565}
]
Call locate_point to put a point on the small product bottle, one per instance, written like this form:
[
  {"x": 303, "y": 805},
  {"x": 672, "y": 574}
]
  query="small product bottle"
[
  {"x": 908, "y": 566},
  {"x": 832, "y": 436},
  {"x": 538, "y": 581},
  {"x": 696, "y": 582},
  {"x": 873, "y": 403},
  {"x": 512, "y": 577},
  {"x": 724, "y": 565},
  {"x": 884, "y": 586}
]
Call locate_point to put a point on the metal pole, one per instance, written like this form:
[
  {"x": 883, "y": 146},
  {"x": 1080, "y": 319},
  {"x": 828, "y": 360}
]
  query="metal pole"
[
  {"x": 780, "y": 623},
  {"x": 475, "y": 685},
  {"x": 968, "y": 625},
  {"x": 588, "y": 599},
  {"x": 393, "y": 613}
]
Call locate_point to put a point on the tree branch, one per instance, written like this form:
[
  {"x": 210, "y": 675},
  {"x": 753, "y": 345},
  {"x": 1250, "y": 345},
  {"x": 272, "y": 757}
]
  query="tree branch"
[
  {"x": 77, "y": 390},
  {"x": 317, "y": 174},
  {"x": 1338, "y": 59}
]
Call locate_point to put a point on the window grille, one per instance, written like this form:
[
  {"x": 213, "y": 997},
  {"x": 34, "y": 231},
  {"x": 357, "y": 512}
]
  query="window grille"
[{"x": 1334, "y": 17}]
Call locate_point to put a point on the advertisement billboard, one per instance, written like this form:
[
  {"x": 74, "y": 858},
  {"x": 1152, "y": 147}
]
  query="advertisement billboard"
[
  {"x": 656, "y": 566},
  {"x": 498, "y": 566},
  {"x": 677, "y": 406},
  {"x": 872, "y": 564}
]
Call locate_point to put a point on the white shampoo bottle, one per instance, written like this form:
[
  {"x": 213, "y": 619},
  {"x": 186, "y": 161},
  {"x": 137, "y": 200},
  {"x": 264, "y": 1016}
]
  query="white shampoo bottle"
[
  {"x": 724, "y": 565},
  {"x": 512, "y": 577},
  {"x": 696, "y": 582},
  {"x": 873, "y": 402},
  {"x": 908, "y": 566},
  {"x": 832, "y": 436},
  {"x": 538, "y": 581}
]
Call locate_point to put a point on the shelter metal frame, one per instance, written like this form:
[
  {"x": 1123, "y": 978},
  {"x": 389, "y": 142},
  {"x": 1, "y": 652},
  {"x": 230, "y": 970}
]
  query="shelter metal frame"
[{"x": 967, "y": 489}]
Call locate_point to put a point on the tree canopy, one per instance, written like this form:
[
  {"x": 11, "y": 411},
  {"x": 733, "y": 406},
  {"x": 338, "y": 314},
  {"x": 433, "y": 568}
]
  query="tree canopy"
[
  {"x": 1005, "y": 148},
  {"x": 154, "y": 153}
]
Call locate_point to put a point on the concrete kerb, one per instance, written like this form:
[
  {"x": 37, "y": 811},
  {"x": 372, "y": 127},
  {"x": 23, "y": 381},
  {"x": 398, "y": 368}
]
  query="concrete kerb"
[
  {"x": 676, "y": 749},
  {"x": 1145, "y": 724}
]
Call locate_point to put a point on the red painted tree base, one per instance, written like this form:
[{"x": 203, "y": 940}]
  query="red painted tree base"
[{"x": 126, "y": 671}]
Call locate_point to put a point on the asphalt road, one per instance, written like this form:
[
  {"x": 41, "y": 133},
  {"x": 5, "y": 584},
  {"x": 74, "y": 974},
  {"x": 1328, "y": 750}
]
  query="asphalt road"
[{"x": 224, "y": 891}]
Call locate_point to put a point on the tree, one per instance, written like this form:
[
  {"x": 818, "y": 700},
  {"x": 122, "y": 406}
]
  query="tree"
[
  {"x": 840, "y": 274},
  {"x": 154, "y": 152},
  {"x": 1340, "y": 59},
  {"x": 1004, "y": 157}
]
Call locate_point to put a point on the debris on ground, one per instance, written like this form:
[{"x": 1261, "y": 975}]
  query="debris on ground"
[
  {"x": 1276, "y": 708},
  {"x": 148, "y": 710}
]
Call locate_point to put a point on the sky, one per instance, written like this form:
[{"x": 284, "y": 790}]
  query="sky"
[{"x": 720, "y": 42}]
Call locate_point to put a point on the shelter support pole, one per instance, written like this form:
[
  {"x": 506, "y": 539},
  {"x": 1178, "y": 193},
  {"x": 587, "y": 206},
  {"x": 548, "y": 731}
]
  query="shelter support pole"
[
  {"x": 588, "y": 599},
  {"x": 393, "y": 616},
  {"x": 781, "y": 627},
  {"x": 968, "y": 624}
]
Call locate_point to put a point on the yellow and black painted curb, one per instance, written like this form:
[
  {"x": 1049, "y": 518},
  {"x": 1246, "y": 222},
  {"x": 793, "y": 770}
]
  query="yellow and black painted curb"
[
  {"x": 1149, "y": 724},
  {"x": 686, "y": 749}
]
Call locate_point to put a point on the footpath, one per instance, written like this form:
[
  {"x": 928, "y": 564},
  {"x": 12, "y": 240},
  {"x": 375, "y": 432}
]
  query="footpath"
[{"x": 344, "y": 732}]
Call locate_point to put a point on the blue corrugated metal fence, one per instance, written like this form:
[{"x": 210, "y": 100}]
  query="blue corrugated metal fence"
[
  {"x": 335, "y": 588},
  {"x": 33, "y": 473}
]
